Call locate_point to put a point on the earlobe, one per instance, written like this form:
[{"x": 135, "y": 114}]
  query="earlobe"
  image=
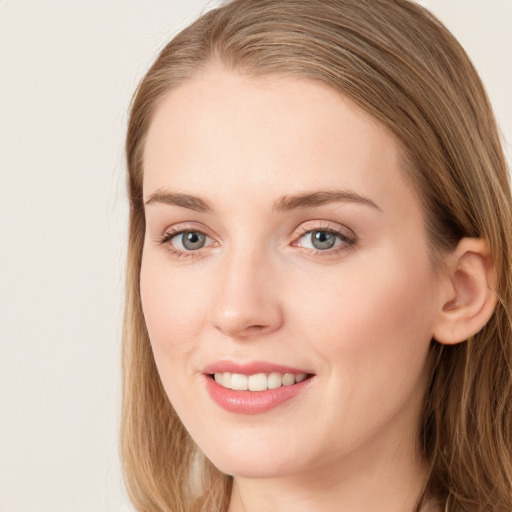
[{"x": 468, "y": 295}]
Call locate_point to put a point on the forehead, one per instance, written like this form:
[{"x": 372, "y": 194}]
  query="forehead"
[{"x": 225, "y": 133}]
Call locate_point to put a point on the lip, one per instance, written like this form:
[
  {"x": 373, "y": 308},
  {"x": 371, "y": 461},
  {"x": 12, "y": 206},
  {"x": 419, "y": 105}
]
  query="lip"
[
  {"x": 250, "y": 368},
  {"x": 252, "y": 402}
]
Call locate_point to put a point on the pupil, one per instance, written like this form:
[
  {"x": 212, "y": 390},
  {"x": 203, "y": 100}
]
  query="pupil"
[{"x": 323, "y": 240}]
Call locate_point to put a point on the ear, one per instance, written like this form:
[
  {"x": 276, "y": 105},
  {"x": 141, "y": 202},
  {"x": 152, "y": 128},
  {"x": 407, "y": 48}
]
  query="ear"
[{"x": 468, "y": 295}]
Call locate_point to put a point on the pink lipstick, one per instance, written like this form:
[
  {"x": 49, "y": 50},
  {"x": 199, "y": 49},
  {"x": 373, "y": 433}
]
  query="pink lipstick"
[{"x": 253, "y": 388}]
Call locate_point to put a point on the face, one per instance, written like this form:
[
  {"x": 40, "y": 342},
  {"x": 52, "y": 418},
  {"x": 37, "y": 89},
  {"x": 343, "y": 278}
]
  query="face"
[{"x": 285, "y": 253}]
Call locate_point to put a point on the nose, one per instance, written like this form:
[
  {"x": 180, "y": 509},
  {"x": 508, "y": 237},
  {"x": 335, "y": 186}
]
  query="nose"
[{"x": 248, "y": 303}]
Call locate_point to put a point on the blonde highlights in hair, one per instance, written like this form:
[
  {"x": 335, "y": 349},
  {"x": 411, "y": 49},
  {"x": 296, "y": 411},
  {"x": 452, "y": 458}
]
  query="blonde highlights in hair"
[{"x": 399, "y": 63}]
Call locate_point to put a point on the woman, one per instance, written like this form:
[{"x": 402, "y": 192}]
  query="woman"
[{"x": 319, "y": 273}]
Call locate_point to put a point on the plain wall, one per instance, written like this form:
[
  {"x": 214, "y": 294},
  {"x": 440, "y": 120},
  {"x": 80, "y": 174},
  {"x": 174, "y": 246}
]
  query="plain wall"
[{"x": 67, "y": 71}]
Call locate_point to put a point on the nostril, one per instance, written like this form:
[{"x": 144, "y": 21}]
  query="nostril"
[
  {"x": 256, "y": 327},
  {"x": 254, "y": 330}
]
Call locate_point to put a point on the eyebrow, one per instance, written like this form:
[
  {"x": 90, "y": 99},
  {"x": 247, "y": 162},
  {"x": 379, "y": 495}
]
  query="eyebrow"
[
  {"x": 319, "y": 198},
  {"x": 283, "y": 204},
  {"x": 184, "y": 200}
]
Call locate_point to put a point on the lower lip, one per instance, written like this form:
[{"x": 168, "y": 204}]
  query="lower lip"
[{"x": 252, "y": 402}]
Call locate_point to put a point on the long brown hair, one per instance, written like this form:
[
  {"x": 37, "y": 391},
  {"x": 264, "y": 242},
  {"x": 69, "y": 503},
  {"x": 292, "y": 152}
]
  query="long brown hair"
[{"x": 399, "y": 63}]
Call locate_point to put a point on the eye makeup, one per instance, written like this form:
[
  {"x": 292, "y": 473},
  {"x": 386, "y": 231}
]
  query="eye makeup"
[{"x": 318, "y": 238}]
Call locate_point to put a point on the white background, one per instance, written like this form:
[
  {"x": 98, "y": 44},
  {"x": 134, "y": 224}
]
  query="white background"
[{"x": 67, "y": 72}]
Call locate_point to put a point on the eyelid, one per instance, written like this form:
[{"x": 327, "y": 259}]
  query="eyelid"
[
  {"x": 345, "y": 234},
  {"x": 323, "y": 225},
  {"x": 172, "y": 231},
  {"x": 182, "y": 227}
]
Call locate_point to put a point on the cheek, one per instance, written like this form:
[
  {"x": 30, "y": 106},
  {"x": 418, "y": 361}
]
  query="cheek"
[
  {"x": 172, "y": 312},
  {"x": 374, "y": 330},
  {"x": 372, "y": 338},
  {"x": 171, "y": 308}
]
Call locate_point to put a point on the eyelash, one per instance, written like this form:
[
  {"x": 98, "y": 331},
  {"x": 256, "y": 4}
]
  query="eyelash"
[
  {"x": 347, "y": 241},
  {"x": 171, "y": 233}
]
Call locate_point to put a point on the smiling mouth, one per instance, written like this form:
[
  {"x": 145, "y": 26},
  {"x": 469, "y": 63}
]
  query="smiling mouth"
[{"x": 258, "y": 381}]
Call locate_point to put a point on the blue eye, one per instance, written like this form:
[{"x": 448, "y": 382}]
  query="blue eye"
[
  {"x": 188, "y": 240},
  {"x": 324, "y": 239}
]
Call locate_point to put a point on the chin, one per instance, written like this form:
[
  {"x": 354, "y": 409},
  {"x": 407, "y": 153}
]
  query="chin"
[
  {"x": 254, "y": 462},
  {"x": 253, "y": 468}
]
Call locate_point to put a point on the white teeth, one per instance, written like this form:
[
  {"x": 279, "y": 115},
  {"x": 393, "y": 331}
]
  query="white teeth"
[
  {"x": 225, "y": 379},
  {"x": 239, "y": 381},
  {"x": 258, "y": 381},
  {"x": 288, "y": 379},
  {"x": 275, "y": 380}
]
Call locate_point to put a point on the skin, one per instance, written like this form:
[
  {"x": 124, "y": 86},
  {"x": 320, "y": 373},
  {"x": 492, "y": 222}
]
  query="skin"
[{"x": 359, "y": 316}]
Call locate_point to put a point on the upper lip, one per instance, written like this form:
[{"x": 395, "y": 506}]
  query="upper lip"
[{"x": 250, "y": 368}]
